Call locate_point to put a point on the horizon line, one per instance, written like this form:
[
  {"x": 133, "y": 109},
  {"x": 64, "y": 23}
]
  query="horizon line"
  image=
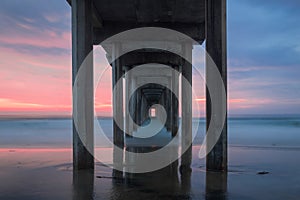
[{"x": 36, "y": 116}]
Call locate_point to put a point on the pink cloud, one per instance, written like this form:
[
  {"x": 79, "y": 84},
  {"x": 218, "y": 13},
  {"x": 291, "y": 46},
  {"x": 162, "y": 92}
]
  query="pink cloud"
[{"x": 46, "y": 39}]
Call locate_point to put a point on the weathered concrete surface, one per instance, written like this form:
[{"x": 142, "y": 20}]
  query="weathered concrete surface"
[
  {"x": 83, "y": 99},
  {"x": 118, "y": 134},
  {"x": 186, "y": 132},
  {"x": 117, "y": 76},
  {"x": 216, "y": 159}
]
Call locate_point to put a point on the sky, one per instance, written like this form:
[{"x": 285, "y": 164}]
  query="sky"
[{"x": 35, "y": 58}]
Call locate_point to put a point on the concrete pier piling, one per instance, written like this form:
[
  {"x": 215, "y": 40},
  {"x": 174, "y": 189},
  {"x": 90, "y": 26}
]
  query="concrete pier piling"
[
  {"x": 92, "y": 23},
  {"x": 83, "y": 96},
  {"x": 216, "y": 159}
]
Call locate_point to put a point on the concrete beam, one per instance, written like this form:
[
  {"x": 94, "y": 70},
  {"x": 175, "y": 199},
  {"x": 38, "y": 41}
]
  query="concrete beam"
[
  {"x": 97, "y": 20},
  {"x": 142, "y": 57},
  {"x": 83, "y": 97},
  {"x": 216, "y": 48},
  {"x": 150, "y": 90},
  {"x": 96, "y": 17},
  {"x": 193, "y": 30}
]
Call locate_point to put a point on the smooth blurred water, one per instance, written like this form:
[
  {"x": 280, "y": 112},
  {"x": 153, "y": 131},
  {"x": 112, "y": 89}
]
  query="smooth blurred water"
[
  {"x": 259, "y": 131},
  {"x": 47, "y": 173},
  {"x": 244, "y": 131}
]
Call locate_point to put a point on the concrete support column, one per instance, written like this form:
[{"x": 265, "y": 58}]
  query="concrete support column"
[
  {"x": 145, "y": 112},
  {"x": 133, "y": 103},
  {"x": 164, "y": 100},
  {"x": 169, "y": 105},
  {"x": 142, "y": 110},
  {"x": 83, "y": 96},
  {"x": 161, "y": 102},
  {"x": 118, "y": 134},
  {"x": 138, "y": 107},
  {"x": 175, "y": 88},
  {"x": 128, "y": 85},
  {"x": 117, "y": 74},
  {"x": 216, "y": 48},
  {"x": 186, "y": 112}
]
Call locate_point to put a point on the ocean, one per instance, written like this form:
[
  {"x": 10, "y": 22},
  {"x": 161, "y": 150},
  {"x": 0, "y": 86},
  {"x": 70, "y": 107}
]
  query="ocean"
[
  {"x": 265, "y": 131},
  {"x": 36, "y": 163}
]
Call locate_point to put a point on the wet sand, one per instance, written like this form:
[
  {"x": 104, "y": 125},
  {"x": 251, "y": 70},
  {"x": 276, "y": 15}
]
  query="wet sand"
[{"x": 47, "y": 174}]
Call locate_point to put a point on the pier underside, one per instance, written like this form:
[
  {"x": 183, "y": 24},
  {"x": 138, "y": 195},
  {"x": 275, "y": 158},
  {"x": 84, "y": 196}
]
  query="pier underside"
[{"x": 96, "y": 22}]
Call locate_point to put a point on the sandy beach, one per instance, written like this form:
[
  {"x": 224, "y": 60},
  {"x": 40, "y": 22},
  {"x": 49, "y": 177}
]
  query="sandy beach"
[
  {"x": 36, "y": 163},
  {"x": 254, "y": 173}
]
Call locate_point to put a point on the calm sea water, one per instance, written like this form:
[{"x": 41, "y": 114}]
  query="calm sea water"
[
  {"x": 48, "y": 174},
  {"x": 244, "y": 131}
]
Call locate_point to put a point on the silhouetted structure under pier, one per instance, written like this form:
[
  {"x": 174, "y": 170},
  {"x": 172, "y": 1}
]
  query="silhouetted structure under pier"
[{"x": 93, "y": 21}]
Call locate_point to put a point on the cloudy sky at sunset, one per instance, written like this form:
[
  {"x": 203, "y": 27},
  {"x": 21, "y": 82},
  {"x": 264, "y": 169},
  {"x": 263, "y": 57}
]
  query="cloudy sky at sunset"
[{"x": 35, "y": 58}]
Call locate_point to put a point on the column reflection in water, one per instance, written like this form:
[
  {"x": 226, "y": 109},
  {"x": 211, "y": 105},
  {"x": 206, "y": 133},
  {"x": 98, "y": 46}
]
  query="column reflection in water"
[
  {"x": 83, "y": 184},
  {"x": 216, "y": 185},
  {"x": 117, "y": 161},
  {"x": 160, "y": 184}
]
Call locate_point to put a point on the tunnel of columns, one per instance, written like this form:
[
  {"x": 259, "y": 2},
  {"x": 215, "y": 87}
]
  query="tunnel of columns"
[
  {"x": 144, "y": 97},
  {"x": 157, "y": 83},
  {"x": 93, "y": 21}
]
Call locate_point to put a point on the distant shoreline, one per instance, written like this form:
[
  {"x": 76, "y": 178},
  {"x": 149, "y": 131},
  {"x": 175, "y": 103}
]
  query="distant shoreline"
[
  {"x": 16, "y": 117},
  {"x": 7, "y": 148},
  {"x": 233, "y": 116}
]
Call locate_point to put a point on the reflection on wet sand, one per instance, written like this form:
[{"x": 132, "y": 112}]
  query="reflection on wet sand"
[
  {"x": 47, "y": 174},
  {"x": 216, "y": 185},
  {"x": 117, "y": 161},
  {"x": 166, "y": 183},
  {"x": 186, "y": 172},
  {"x": 159, "y": 184},
  {"x": 83, "y": 184},
  {"x": 171, "y": 182}
]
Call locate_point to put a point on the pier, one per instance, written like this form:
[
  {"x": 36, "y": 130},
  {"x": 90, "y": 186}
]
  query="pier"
[{"x": 94, "y": 21}]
